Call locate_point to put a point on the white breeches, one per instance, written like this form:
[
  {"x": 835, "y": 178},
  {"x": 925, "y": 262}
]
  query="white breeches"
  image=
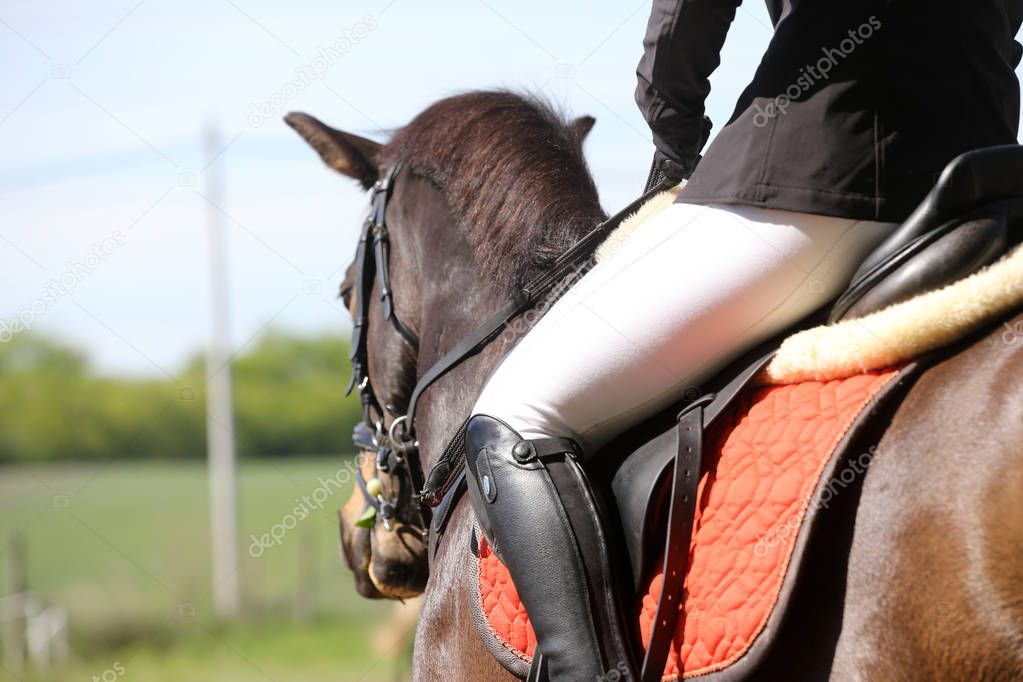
[{"x": 687, "y": 292}]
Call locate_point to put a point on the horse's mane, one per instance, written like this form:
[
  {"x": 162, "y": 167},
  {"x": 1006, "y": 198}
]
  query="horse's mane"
[{"x": 513, "y": 173}]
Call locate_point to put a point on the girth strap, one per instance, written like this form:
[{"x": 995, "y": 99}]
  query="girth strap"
[
  {"x": 538, "y": 669},
  {"x": 681, "y": 517},
  {"x": 692, "y": 421}
]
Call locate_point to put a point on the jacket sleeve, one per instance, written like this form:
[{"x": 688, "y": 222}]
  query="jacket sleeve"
[
  {"x": 1015, "y": 19},
  {"x": 681, "y": 49}
]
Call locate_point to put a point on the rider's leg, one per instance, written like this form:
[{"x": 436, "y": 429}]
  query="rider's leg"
[{"x": 690, "y": 290}]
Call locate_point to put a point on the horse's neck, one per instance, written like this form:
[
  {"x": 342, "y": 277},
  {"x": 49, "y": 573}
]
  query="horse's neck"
[
  {"x": 455, "y": 303},
  {"x": 446, "y": 641},
  {"x": 456, "y": 300}
]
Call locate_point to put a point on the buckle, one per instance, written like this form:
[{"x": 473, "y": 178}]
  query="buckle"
[{"x": 702, "y": 401}]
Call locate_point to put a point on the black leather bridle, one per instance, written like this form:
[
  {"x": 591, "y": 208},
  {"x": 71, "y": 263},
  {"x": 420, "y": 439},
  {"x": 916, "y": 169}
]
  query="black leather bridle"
[
  {"x": 396, "y": 445},
  {"x": 397, "y": 452}
]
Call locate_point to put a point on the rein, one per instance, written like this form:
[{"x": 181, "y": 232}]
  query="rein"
[{"x": 396, "y": 446}]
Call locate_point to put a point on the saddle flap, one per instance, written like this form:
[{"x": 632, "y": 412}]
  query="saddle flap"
[
  {"x": 636, "y": 485},
  {"x": 636, "y": 488}
]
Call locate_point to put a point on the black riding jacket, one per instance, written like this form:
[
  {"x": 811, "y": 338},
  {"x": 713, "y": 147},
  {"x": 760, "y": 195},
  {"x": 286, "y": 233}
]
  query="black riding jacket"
[{"x": 856, "y": 106}]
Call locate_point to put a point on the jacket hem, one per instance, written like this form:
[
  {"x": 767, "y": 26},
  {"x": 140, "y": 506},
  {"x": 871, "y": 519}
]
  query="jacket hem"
[{"x": 854, "y": 206}]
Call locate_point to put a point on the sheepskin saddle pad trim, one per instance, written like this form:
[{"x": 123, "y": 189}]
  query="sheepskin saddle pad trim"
[
  {"x": 773, "y": 462},
  {"x": 904, "y": 330},
  {"x": 886, "y": 338}
]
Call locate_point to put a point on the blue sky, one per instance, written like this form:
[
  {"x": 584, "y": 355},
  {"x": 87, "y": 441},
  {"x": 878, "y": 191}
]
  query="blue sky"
[{"x": 104, "y": 169}]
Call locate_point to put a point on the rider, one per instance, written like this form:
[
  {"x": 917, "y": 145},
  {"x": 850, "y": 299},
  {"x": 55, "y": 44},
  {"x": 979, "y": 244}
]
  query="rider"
[{"x": 852, "y": 114}]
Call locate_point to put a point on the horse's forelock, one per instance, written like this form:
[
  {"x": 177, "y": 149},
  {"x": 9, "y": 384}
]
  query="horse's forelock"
[{"x": 513, "y": 173}]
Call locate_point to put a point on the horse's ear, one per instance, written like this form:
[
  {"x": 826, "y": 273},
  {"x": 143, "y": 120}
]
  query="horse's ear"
[
  {"x": 348, "y": 154},
  {"x": 581, "y": 127}
]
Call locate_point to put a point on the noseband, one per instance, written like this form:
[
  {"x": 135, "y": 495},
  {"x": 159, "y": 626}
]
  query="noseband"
[{"x": 396, "y": 445}]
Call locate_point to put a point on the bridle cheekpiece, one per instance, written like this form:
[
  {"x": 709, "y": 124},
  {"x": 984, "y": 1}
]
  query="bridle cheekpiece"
[{"x": 397, "y": 450}]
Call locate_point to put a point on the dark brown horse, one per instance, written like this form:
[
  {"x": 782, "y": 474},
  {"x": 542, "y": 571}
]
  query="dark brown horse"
[{"x": 920, "y": 575}]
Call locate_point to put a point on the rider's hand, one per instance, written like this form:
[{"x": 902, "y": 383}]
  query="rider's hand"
[{"x": 667, "y": 171}]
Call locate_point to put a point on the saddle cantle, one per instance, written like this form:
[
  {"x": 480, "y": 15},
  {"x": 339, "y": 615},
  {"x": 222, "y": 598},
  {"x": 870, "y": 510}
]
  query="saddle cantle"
[{"x": 962, "y": 225}]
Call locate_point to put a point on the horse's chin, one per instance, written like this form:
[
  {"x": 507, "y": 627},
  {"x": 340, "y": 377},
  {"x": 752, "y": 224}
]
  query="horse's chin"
[
  {"x": 386, "y": 564},
  {"x": 386, "y": 591},
  {"x": 398, "y": 564}
]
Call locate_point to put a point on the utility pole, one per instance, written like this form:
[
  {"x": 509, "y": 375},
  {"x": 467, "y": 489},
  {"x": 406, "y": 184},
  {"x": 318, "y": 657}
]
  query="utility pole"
[{"x": 220, "y": 443}]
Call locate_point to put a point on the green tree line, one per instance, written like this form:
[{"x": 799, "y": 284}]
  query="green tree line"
[{"x": 288, "y": 397}]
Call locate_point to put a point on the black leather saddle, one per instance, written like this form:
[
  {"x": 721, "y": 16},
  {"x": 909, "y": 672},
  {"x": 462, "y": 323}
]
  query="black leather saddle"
[
  {"x": 962, "y": 225},
  {"x": 966, "y": 222}
]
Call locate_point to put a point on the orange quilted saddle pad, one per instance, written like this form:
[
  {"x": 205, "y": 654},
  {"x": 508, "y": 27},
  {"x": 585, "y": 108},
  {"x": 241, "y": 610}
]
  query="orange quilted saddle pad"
[{"x": 764, "y": 460}]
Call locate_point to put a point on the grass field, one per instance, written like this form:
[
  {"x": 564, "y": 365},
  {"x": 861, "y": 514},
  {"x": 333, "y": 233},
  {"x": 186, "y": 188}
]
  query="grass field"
[{"x": 125, "y": 549}]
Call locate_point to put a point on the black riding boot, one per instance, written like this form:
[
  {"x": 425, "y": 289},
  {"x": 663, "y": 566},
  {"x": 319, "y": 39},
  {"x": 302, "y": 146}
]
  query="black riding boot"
[{"x": 537, "y": 511}]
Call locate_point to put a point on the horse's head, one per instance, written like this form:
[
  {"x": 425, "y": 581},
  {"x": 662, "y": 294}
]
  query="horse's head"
[{"x": 466, "y": 163}]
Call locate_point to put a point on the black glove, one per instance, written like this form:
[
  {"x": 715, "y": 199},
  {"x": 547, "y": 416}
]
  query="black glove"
[{"x": 666, "y": 171}]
